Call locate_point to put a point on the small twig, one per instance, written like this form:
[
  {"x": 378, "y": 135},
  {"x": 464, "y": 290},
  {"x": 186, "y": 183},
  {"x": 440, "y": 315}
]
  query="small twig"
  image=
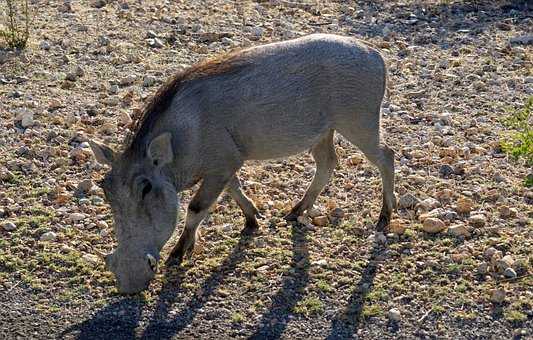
[{"x": 424, "y": 316}]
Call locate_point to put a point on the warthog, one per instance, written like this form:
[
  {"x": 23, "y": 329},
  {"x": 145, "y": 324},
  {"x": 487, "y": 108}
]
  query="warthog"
[{"x": 263, "y": 102}]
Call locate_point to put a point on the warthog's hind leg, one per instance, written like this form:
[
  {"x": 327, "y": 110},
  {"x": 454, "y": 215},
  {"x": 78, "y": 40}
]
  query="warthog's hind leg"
[
  {"x": 382, "y": 157},
  {"x": 247, "y": 206},
  {"x": 326, "y": 160}
]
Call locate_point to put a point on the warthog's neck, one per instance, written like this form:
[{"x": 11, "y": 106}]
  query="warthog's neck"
[{"x": 184, "y": 169}]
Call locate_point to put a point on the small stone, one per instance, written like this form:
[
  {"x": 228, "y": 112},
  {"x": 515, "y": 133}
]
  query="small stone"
[
  {"x": 9, "y": 226},
  {"x": 433, "y": 225},
  {"x": 44, "y": 45},
  {"x": 98, "y": 3},
  {"x": 91, "y": 259},
  {"x": 397, "y": 227},
  {"x": 446, "y": 170},
  {"x": 25, "y": 118},
  {"x": 79, "y": 71},
  {"x": 48, "y": 236},
  {"x": 320, "y": 221},
  {"x": 151, "y": 34},
  {"x": 102, "y": 224},
  {"x": 477, "y": 220},
  {"x": 459, "y": 230},
  {"x": 496, "y": 258},
  {"x": 497, "y": 295},
  {"x": 113, "y": 89},
  {"x": 128, "y": 80},
  {"x": 111, "y": 101},
  {"x": 509, "y": 273},
  {"x": 321, "y": 263},
  {"x": 54, "y": 104},
  {"x": 256, "y": 33},
  {"x": 429, "y": 204},
  {"x": 125, "y": 119},
  {"x": 407, "y": 201},
  {"x": 149, "y": 81},
  {"x": 66, "y": 249},
  {"x": 489, "y": 252},
  {"x": 464, "y": 205},
  {"x": 380, "y": 238},
  {"x": 506, "y": 212},
  {"x": 85, "y": 186},
  {"x": 483, "y": 268},
  {"x": 76, "y": 217},
  {"x": 450, "y": 215},
  {"x": 355, "y": 159},
  {"x": 104, "y": 233},
  {"x": 336, "y": 213},
  {"x": 155, "y": 43},
  {"x": 103, "y": 40},
  {"x": 312, "y": 213},
  {"x": 96, "y": 200},
  {"x": 505, "y": 262},
  {"x": 524, "y": 40},
  {"x": 71, "y": 76},
  {"x": 395, "y": 315}
]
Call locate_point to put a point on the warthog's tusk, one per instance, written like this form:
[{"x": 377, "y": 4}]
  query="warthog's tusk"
[{"x": 152, "y": 261}]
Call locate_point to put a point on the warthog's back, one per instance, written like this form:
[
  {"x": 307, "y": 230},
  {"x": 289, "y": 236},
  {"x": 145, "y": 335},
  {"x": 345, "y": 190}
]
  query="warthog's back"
[{"x": 278, "y": 99}]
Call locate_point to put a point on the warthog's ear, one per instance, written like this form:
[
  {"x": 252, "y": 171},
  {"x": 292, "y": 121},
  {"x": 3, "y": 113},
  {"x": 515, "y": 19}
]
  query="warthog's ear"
[
  {"x": 102, "y": 153},
  {"x": 160, "y": 149}
]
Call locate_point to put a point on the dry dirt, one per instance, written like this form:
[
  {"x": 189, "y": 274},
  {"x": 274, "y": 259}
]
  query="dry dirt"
[{"x": 457, "y": 266}]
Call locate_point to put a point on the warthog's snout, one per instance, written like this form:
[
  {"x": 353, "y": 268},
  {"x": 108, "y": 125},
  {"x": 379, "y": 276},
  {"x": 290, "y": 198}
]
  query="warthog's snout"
[{"x": 132, "y": 275}]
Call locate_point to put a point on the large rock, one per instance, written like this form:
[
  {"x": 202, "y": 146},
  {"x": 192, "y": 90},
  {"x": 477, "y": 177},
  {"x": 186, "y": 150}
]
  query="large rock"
[
  {"x": 433, "y": 225},
  {"x": 459, "y": 230},
  {"x": 9, "y": 226},
  {"x": 477, "y": 220},
  {"x": 48, "y": 236},
  {"x": 320, "y": 220}
]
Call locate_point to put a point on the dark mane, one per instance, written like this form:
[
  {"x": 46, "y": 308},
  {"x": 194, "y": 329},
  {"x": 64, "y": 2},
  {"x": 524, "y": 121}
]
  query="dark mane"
[{"x": 144, "y": 120}]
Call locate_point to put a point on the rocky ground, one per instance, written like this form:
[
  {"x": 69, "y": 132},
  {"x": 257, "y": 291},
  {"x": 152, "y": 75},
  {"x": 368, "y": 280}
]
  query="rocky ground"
[{"x": 457, "y": 263}]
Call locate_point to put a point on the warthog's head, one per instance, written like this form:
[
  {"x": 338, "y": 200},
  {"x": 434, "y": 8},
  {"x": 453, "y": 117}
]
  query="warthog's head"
[{"x": 139, "y": 187}]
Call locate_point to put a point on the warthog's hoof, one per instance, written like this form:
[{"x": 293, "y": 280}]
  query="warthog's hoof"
[
  {"x": 179, "y": 253},
  {"x": 383, "y": 222},
  {"x": 251, "y": 227},
  {"x": 291, "y": 217}
]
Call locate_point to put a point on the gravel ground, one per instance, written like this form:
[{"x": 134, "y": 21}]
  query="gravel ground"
[{"x": 457, "y": 263}]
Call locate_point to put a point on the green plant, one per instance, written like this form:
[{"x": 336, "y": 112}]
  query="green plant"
[
  {"x": 518, "y": 141},
  {"x": 309, "y": 306},
  {"x": 514, "y": 316},
  {"x": 237, "y": 317},
  {"x": 16, "y": 29}
]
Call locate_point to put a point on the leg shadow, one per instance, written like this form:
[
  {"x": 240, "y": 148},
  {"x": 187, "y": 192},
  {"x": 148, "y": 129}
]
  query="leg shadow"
[
  {"x": 118, "y": 320},
  {"x": 161, "y": 326},
  {"x": 275, "y": 321},
  {"x": 347, "y": 322}
]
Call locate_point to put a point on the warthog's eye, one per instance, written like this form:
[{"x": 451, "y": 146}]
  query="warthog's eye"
[{"x": 146, "y": 188}]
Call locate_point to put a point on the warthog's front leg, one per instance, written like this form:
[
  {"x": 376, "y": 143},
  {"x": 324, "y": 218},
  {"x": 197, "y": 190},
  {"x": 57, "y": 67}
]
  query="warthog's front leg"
[{"x": 206, "y": 195}]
